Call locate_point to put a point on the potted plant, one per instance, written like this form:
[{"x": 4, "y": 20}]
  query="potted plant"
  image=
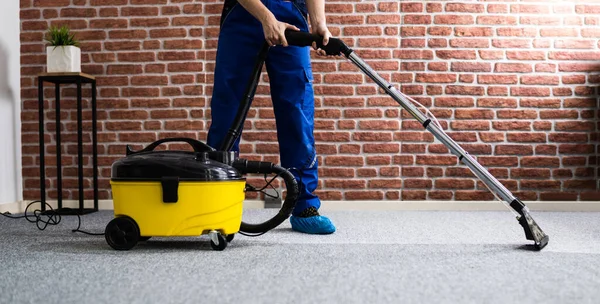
[{"x": 63, "y": 54}]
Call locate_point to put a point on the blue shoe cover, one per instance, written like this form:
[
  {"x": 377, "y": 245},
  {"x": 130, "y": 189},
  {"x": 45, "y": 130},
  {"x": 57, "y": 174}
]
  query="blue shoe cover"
[{"x": 312, "y": 225}]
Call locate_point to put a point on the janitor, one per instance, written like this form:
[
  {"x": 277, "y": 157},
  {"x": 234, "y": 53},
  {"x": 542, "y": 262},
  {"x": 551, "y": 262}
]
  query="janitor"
[{"x": 245, "y": 25}]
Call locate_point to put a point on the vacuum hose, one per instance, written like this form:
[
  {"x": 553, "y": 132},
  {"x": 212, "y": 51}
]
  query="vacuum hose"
[{"x": 244, "y": 166}]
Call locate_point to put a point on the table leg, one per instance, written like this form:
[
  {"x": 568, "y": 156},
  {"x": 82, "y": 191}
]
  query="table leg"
[
  {"x": 58, "y": 146},
  {"x": 41, "y": 142},
  {"x": 95, "y": 145},
  {"x": 80, "y": 144}
]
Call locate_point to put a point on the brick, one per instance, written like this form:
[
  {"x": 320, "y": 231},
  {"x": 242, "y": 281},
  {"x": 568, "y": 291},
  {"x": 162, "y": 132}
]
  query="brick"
[
  {"x": 150, "y": 22},
  {"x": 513, "y": 150},
  {"x": 540, "y": 184},
  {"x": 413, "y": 54},
  {"x": 454, "y": 184},
  {"x": 497, "y": 8},
  {"x": 437, "y": 43},
  {"x": 590, "y": 32},
  {"x": 183, "y": 44},
  {"x": 470, "y": 125},
  {"x": 456, "y": 54},
  {"x": 511, "y": 43},
  {"x": 587, "y": 9},
  {"x": 469, "y": 43},
  {"x": 345, "y": 19},
  {"x": 557, "y": 196},
  {"x": 526, "y": 55},
  {"x": 436, "y": 78},
  {"x": 454, "y": 102},
  {"x": 107, "y": 2},
  {"x": 573, "y": 44},
  {"x": 453, "y": 19},
  {"x": 497, "y": 20},
  {"x": 378, "y": 42},
  {"x": 465, "y": 8},
  {"x": 527, "y": 137},
  {"x": 590, "y": 55},
  {"x": 580, "y": 103},
  {"x": 363, "y": 195},
  {"x": 579, "y": 67},
  {"x": 384, "y": 183},
  {"x": 512, "y": 125},
  {"x": 139, "y": 11},
  {"x": 574, "y": 126},
  {"x": 473, "y": 114},
  {"x": 513, "y": 67},
  {"x": 473, "y": 195},
  {"x": 542, "y": 126},
  {"x": 516, "y": 32},
  {"x": 467, "y": 78},
  {"x": 473, "y": 31},
  {"x": 383, "y": 19},
  {"x": 438, "y": 30},
  {"x": 363, "y": 31},
  {"x": 51, "y": 3},
  {"x": 539, "y": 20},
  {"x": 417, "y": 19},
  {"x": 580, "y": 184},
  {"x": 136, "y": 57},
  {"x": 411, "y": 7},
  {"x": 344, "y": 161},
  {"x": 471, "y": 67},
  {"x": 149, "y": 80},
  {"x": 124, "y": 69},
  {"x": 529, "y": 91},
  {"x": 568, "y": 137},
  {"x": 540, "y": 161},
  {"x": 435, "y": 160},
  {"x": 517, "y": 114},
  {"x": 538, "y": 79},
  {"x": 417, "y": 183},
  {"x": 147, "y": 2},
  {"x": 529, "y": 9},
  {"x": 464, "y": 90},
  {"x": 140, "y": 92}
]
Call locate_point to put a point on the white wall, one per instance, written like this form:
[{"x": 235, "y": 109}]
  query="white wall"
[{"x": 10, "y": 104}]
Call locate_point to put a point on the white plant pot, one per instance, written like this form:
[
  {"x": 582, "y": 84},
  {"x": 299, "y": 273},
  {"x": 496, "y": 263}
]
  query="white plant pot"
[{"x": 63, "y": 59}]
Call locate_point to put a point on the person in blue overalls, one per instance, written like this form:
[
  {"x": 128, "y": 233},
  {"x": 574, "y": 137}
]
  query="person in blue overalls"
[{"x": 245, "y": 25}]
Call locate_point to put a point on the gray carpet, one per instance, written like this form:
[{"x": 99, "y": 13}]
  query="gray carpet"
[{"x": 374, "y": 257}]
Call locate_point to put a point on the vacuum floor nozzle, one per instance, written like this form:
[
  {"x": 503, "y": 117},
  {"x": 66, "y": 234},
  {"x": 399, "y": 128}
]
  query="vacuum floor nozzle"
[{"x": 532, "y": 230}]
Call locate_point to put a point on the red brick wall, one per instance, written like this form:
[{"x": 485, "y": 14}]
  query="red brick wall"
[{"x": 515, "y": 83}]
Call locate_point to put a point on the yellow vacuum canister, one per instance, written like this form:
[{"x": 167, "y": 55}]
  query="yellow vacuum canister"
[{"x": 175, "y": 193}]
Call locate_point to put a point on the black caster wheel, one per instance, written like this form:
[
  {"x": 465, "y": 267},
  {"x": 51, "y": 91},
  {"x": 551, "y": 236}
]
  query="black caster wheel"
[
  {"x": 122, "y": 233},
  {"x": 230, "y": 237},
  {"x": 144, "y": 238},
  {"x": 222, "y": 243}
]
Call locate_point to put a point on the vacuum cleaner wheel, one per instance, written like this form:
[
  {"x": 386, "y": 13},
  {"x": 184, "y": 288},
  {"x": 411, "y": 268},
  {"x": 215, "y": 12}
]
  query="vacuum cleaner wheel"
[
  {"x": 218, "y": 241},
  {"x": 122, "y": 233}
]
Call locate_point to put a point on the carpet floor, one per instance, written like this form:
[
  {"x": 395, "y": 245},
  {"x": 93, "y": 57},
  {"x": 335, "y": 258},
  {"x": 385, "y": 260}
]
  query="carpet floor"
[{"x": 374, "y": 257}]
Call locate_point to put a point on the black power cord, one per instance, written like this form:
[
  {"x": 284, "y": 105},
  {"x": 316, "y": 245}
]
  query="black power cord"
[{"x": 43, "y": 219}]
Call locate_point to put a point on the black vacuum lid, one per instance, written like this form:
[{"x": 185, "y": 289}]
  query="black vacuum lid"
[{"x": 154, "y": 165}]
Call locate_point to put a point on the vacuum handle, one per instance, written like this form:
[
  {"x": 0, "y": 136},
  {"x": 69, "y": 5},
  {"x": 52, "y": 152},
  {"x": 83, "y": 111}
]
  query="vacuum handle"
[
  {"x": 334, "y": 47},
  {"x": 197, "y": 145}
]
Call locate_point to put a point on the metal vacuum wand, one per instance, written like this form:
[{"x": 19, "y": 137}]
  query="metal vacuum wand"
[{"x": 337, "y": 47}]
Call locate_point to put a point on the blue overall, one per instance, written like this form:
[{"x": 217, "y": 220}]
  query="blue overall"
[{"x": 290, "y": 76}]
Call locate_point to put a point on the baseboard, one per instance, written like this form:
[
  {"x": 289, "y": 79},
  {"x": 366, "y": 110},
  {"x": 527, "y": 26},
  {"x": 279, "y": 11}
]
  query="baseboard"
[{"x": 557, "y": 206}]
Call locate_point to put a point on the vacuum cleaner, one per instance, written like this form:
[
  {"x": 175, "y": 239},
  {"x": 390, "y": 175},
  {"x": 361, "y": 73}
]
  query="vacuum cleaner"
[{"x": 181, "y": 193}]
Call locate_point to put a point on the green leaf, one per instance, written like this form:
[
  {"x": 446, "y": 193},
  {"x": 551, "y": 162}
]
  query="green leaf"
[{"x": 61, "y": 36}]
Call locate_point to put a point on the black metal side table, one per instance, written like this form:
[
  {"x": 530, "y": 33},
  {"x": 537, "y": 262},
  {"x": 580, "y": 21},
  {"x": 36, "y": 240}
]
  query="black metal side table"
[{"x": 78, "y": 79}]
